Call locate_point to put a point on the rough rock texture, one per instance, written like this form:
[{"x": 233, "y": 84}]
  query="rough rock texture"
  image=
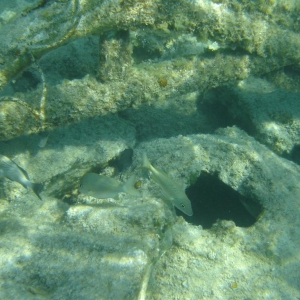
[
  {"x": 268, "y": 113},
  {"x": 132, "y": 248},
  {"x": 157, "y": 77},
  {"x": 226, "y": 261},
  {"x": 70, "y": 152},
  {"x": 148, "y": 52},
  {"x": 52, "y": 252}
]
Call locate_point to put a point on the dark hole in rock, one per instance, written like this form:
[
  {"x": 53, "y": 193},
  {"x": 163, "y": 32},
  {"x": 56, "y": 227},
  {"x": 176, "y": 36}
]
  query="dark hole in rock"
[
  {"x": 295, "y": 154},
  {"x": 214, "y": 104},
  {"x": 223, "y": 108},
  {"x": 28, "y": 80},
  {"x": 212, "y": 200},
  {"x": 141, "y": 54},
  {"x": 123, "y": 161},
  {"x": 70, "y": 61},
  {"x": 69, "y": 199}
]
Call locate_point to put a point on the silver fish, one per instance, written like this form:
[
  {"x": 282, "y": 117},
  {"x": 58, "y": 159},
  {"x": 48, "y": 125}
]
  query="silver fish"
[
  {"x": 103, "y": 187},
  {"x": 12, "y": 171},
  {"x": 170, "y": 188}
]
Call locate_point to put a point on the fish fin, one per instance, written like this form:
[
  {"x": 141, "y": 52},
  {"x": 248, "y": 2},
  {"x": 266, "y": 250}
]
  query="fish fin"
[
  {"x": 145, "y": 161},
  {"x": 129, "y": 188},
  {"x": 37, "y": 187},
  {"x": 24, "y": 172}
]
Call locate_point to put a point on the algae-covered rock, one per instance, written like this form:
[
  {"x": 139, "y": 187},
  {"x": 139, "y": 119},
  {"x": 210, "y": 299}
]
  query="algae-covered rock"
[{"x": 147, "y": 52}]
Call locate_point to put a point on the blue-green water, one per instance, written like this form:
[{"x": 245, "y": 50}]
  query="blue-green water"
[{"x": 209, "y": 90}]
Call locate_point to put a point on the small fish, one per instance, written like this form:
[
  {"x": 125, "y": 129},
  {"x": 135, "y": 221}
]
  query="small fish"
[
  {"x": 170, "y": 188},
  {"x": 12, "y": 171},
  {"x": 103, "y": 187}
]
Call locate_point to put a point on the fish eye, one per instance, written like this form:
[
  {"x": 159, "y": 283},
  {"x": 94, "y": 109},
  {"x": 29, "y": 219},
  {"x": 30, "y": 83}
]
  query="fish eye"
[{"x": 182, "y": 205}]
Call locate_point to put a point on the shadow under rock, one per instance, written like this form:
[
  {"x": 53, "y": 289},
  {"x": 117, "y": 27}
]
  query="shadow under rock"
[
  {"x": 148, "y": 122},
  {"x": 69, "y": 262},
  {"x": 267, "y": 116},
  {"x": 213, "y": 200},
  {"x": 84, "y": 132},
  {"x": 152, "y": 122}
]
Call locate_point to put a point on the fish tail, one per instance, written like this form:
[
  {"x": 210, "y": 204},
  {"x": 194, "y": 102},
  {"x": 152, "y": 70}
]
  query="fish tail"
[
  {"x": 129, "y": 187},
  {"x": 36, "y": 187},
  {"x": 146, "y": 163}
]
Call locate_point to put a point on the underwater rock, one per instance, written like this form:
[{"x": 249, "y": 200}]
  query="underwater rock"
[
  {"x": 73, "y": 100},
  {"x": 50, "y": 251},
  {"x": 274, "y": 117},
  {"x": 135, "y": 247},
  {"x": 156, "y": 64},
  {"x": 268, "y": 113},
  {"x": 71, "y": 151},
  {"x": 226, "y": 261},
  {"x": 238, "y": 160},
  {"x": 193, "y": 46},
  {"x": 250, "y": 27}
]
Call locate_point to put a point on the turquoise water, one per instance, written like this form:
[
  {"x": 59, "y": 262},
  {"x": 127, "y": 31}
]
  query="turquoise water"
[{"x": 209, "y": 90}]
